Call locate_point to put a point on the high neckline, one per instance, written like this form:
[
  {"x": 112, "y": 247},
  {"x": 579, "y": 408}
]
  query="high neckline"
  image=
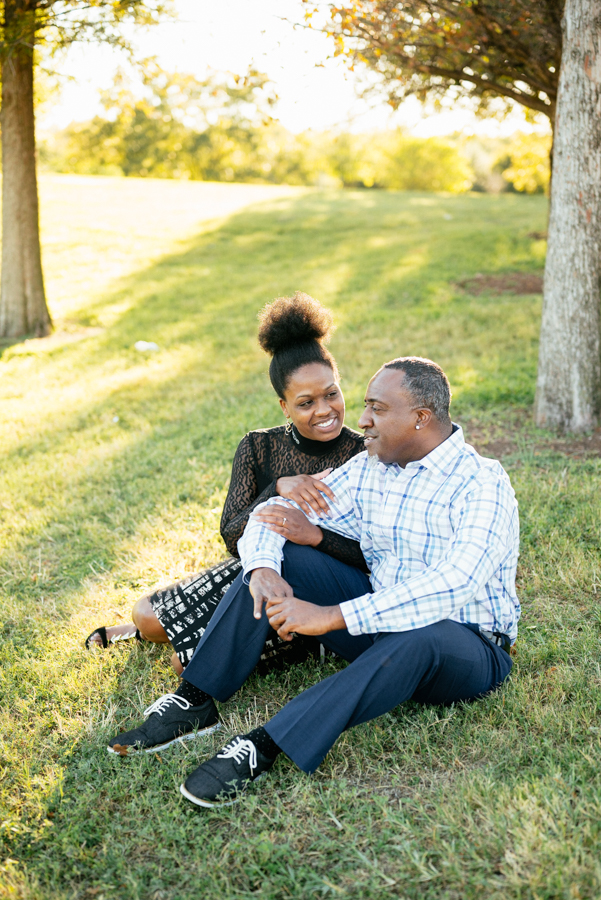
[{"x": 313, "y": 448}]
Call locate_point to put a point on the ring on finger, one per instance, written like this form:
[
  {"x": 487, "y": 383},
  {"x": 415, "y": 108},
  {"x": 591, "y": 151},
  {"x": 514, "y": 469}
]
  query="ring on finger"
[{"x": 284, "y": 521}]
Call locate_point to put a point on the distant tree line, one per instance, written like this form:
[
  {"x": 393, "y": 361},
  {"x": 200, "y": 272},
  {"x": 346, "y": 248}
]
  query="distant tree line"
[{"x": 221, "y": 129}]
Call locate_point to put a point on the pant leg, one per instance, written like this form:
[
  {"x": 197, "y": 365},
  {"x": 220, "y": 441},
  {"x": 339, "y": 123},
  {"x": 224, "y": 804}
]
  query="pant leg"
[
  {"x": 440, "y": 664},
  {"x": 233, "y": 642},
  {"x": 325, "y": 581},
  {"x": 231, "y": 646}
]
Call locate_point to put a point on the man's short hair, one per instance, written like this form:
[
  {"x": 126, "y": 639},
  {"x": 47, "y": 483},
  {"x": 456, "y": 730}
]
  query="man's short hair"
[{"x": 427, "y": 384}]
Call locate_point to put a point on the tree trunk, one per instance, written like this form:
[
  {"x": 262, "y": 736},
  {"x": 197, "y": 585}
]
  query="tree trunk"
[
  {"x": 568, "y": 395},
  {"x": 23, "y": 307},
  {"x": 552, "y": 121}
]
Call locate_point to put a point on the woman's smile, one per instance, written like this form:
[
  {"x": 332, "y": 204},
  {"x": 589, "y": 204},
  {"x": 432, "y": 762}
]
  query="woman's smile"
[{"x": 330, "y": 424}]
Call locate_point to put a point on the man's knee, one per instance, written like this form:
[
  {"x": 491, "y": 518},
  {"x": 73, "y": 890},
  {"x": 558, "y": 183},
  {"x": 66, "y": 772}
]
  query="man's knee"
[
  {"x": 322, "y": 579},
  {"x": 300, "y": 562},
  {"x": 299, "y": 554}
]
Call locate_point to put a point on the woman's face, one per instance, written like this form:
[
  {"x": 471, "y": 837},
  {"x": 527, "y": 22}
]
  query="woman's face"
[{"x": 314, "y": 402}]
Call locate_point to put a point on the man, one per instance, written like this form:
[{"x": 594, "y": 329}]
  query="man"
[{"x": 434, "y": 622}]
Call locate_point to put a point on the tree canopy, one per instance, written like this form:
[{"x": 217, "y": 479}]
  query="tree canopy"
[
  {"x": 59, "y": 23},
  {"x": 482, "y": 48}
]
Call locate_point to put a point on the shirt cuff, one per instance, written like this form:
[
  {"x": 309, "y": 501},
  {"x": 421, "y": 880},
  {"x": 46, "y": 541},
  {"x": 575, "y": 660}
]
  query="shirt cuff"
[
  {"x": 353, "y": 612},
  {"x": 261, "y": 562}
]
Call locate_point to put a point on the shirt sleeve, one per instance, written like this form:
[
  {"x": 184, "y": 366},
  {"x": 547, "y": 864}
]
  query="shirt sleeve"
[
  {"x": 484, "y": 528},
  {"x": 261, "y": 548},
  {"x": 243, "y": 496}
]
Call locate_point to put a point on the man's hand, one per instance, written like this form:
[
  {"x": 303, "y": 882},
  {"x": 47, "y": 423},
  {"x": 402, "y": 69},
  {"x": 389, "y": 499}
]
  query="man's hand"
[
  {"x": 288, "y": 614},
  {"x": 291, "y": 523},
  {"x": 265, "y": 584}
]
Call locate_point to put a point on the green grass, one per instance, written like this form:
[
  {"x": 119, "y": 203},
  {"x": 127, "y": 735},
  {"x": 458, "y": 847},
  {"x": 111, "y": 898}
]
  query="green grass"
[{"x": 114, "y": 468}]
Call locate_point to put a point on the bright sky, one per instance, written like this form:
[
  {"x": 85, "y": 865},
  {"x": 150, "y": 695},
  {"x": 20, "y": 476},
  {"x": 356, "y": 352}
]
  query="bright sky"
[{"x": 315, "y": 92}]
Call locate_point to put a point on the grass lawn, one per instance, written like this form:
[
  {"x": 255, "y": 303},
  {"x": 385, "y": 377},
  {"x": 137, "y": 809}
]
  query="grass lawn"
[{"x": 114, "y": 469}]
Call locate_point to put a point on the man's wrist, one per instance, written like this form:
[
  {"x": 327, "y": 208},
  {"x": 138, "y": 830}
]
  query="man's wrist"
[
  {"x": 259, "y": 569},
  {"x": 261, "y": 565},
  {"x": 335, "y": 620}
]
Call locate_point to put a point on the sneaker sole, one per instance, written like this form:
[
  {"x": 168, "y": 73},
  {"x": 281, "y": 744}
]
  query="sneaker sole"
[
  {"x": 205, "y": 803},
  {"x": 155, "y": 749},
  {"x": 209, "y": 804}
]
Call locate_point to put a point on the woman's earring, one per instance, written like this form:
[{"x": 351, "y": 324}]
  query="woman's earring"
[
  {"x": 417, "y": 427},
  {"x": 288, "y": 428}
]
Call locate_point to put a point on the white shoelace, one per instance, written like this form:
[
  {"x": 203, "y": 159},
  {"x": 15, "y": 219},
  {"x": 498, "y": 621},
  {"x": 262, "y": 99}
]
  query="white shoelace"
[
  {"x": 238, "y": 750},
  {"x": 163, "y": 703}
]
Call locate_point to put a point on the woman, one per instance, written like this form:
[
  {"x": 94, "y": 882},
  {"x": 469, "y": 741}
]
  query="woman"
[{"x": 304, "y": 375}]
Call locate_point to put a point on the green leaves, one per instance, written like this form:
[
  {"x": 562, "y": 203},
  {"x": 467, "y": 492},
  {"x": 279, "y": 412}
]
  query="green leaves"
[{"x": 488, "y": 48}]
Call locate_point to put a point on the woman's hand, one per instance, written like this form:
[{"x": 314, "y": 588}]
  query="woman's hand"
[
  {"x": 291, "y": 523},
  {"x": 307, "y": 491}
]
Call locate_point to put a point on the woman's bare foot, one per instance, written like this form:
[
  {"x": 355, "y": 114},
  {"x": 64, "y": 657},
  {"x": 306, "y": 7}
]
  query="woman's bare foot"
[
  {"x": 146, "y": 627},
  {"x": 114, "y": 633}
]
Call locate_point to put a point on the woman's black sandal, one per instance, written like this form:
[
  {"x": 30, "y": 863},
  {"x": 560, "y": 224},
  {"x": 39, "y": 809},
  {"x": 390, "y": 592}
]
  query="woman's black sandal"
[{"x": 118, "y": 637}]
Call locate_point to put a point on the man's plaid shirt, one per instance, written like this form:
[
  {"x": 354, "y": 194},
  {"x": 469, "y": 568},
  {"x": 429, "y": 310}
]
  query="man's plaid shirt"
[{"x": 441, "y": 538}]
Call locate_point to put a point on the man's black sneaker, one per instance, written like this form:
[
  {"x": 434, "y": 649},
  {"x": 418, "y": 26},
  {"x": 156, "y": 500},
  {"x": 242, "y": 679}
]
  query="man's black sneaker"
[
  {"x": 171, "y": 718},
  {"x": 220, "y": 781}
]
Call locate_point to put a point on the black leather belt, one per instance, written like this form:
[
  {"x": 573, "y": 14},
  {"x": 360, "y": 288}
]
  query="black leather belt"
[{"x": 501, "y": 640}]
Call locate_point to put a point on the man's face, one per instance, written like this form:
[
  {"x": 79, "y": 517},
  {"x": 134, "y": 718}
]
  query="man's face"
[{"x": 389, "y": 419}]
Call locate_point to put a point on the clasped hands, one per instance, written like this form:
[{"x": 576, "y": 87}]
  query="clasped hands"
[{"x": 286, "y": 613}]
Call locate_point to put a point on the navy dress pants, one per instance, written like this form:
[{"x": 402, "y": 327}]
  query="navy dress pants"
[{"x": 439, "y": 664}]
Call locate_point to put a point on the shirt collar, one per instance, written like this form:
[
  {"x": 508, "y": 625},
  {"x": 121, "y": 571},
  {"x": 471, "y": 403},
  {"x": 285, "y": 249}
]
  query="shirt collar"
[{"x": 442, "y": 459}]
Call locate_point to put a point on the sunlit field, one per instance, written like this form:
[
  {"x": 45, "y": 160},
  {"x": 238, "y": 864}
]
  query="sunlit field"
[{"x": 115, "y": 465}]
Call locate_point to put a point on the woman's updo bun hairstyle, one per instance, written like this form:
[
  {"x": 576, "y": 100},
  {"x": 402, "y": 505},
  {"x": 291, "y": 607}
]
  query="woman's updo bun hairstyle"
[{"x": 294, "y": 330}]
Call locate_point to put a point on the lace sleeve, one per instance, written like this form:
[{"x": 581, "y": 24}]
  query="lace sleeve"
[
  {"x": 343, "y": 548},
  {"x": 242, "y": 496}
]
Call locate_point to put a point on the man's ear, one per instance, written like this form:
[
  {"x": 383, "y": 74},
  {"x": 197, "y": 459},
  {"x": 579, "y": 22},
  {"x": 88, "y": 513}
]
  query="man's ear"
[{"x": 424, "y": 417}]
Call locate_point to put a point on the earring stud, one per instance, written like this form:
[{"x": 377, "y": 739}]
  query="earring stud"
[{"x": 417, "y": 427}]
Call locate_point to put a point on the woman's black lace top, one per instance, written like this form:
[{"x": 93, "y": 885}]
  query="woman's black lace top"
[{"x": 265, "y": 455}]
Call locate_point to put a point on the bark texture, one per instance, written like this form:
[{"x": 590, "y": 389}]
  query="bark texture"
[
  {"x": 568, "y": 395},
  {"x": 23, "y": 308}
]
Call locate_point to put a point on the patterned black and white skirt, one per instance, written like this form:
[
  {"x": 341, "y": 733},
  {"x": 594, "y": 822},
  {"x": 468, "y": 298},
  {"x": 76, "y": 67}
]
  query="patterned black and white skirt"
[{"x": 184, "y": 609}]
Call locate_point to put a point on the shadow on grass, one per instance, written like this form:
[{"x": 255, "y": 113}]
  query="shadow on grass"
[
  {"x": 85, "y": 489},
  {"x": 384, "y": 262}
]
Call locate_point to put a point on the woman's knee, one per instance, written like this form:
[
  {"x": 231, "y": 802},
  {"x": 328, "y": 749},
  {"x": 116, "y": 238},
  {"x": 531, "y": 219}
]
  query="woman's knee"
[{"x": 147, "y": 623}]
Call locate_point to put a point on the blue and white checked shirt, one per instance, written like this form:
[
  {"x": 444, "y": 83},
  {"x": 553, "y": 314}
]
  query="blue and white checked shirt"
[{"x": 441, "y": 538}]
